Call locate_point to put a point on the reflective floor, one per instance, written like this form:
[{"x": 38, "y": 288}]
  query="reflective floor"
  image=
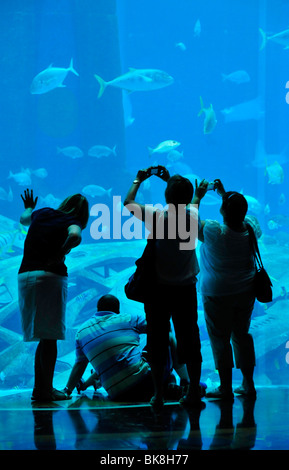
[{"x": 90, "y": 422}]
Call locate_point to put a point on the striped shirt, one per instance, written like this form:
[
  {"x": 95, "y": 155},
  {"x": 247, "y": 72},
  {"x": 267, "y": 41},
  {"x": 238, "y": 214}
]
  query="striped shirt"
[{"x": 111, "y": 343}]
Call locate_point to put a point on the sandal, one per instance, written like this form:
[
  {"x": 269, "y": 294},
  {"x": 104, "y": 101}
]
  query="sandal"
[{"x": 54, "y": 395}]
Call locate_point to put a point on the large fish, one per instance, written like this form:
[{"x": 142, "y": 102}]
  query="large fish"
[
  {"x": 50, "y": 78},
  {"x": 280, "y": 38},
  {"x": 137, "y": 80}
]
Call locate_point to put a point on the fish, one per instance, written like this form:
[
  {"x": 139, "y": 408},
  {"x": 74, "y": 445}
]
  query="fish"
[
  {"x": 49, "y": 201},
  {"x": 197, "y": 28},
  {"x": 262, "y": 159},
  {"x": 238, "y": 77},
  {"x": 6, "y": 196},
  {"x": 272, "y": 225},
  {"x": 181, "y": 46},
  {"x": 275, "y": 173},
  {"x": 210, "y": 117},
  {"x": 71, "y": 151},
  {"x": 252, "y": 109},
  {"x": 127, "y": 109},
  {"x": 281, "y": 220},
  {"x": 164, "y": 147},
  {"x": 253, "y": 204},
  {"x": 174, "y": 155},
  {"x": 94, "y": 190},
  {"x": 280, "y": 38},
  {"x": 23, "y": 178},
  {"x": 50, "y": 78},
  {"x": 99, "y": 151},
  {"x": 282, "y": 199},
  {"x": 40, "y": 173},
  {"x": 137, "y": 80}
]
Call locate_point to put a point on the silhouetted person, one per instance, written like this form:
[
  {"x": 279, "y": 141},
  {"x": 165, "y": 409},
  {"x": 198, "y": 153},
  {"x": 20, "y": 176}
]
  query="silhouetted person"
[
  {"x": 176, "y": 266},
  {"x": 227, "y": 273},
  {"x": 42, "y": 281}
]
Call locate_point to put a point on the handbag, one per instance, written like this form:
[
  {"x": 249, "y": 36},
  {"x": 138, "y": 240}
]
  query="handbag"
[
  {"x": 140, "y": 283},
  {"x": 262, "y": 281}
]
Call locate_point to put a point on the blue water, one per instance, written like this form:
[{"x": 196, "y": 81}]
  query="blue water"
[{"x": 196, "y": 42}]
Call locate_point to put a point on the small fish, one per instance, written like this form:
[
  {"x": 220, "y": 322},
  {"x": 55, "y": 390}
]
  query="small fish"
[
  {"x": 280, "y": 38},
  {"x": 175, "y": 155},
  {"x": 137, "y": 80},
  {"x": 253, "y": 204},
  {"x": 99, "y": 151},
  {"x": 93, "y": 190},
  {"x": 181, "y": 46},
  {"x": 240, "y": 76},
  {"x": 272, "y": 225},
  {"x": 50, "y": 78},
  {"x": 282, "y": 199},
  {"x": 253, "y": 109},
  {"x": 210, "y": 117},
  {"x": 6, "y": 196},
  {"x": 197, "y": 28},
  {"x": 49, "y": 201},
  {"x": 40, "y": 173},
  {"x": 164, "y": 147},
  {"x": 275, "y": 173},
  {"x": 71, "y": 151},
  {"x": 23, "y": 178}
]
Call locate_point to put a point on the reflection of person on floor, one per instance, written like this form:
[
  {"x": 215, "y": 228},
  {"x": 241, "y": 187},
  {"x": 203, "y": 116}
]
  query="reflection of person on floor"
[
  {"x": 42, "y": 281},
  {"x": 111, "y": 342}
]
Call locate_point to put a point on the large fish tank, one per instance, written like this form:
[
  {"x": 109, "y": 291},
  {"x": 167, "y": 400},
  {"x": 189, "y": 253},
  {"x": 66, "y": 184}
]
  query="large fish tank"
[{"x": 226, "y": 59}]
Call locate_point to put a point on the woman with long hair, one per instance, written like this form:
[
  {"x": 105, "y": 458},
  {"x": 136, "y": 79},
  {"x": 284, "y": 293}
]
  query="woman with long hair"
[{"x": 42, "y": 281}]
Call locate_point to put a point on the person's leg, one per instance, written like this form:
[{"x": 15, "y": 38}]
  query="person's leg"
[
  {"x": 48, "y": 361},
  {"x": 45, "y": 359},
  {"x": 218, "y": 316},
  {"x": 158, "y": 326},
  {"x": 243, "y": 343},
  {"x": 185, "y": 319},
  {"x": 38, "y": 385}
]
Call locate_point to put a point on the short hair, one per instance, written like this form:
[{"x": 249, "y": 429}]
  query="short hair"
[
  {"x": 179, "y": 190},
  {"x": 77, "y": 206},
  {"x": 108, "y": 303},
  {"x": 234, "y": 207}
]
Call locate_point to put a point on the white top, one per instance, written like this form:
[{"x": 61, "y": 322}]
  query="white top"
[
  {"x": 226, "y": 261},
  {"x": 176, "y": 260}
]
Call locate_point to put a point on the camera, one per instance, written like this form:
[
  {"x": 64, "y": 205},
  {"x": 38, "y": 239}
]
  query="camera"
[
  {"x": 154, "y": 170},
  {"x": 211, "y": 186}
]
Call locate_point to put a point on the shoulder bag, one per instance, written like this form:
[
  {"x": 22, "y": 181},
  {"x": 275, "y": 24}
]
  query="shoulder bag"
[
  {"x": 263, "y": 284},
  {"x": 140, "y": 283}
]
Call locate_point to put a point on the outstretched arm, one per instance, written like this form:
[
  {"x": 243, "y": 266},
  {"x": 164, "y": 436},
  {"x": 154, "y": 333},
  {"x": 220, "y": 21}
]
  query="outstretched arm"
[
  {"x": 133, "y": 206},
  {"x": 29, "y": 206}
]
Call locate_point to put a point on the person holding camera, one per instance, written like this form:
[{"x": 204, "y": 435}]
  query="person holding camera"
[
  {"x": 176, "y": 267},
  {"x": 226, "y": 282}
]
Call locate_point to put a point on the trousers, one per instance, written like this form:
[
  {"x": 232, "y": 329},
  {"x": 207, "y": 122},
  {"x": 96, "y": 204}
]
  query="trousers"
[{"x": 228, "y": 321}]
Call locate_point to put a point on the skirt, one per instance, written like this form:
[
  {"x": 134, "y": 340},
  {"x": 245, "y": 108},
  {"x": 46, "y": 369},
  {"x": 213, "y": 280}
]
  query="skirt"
[{"x": 42, "y": 302}]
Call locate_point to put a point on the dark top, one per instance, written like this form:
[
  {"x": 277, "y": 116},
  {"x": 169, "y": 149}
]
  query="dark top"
[{"x": 46, "y": 235}]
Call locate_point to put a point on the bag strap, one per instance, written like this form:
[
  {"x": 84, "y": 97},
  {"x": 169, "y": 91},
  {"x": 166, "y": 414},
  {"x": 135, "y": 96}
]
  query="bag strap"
[{"x": 254, "y": 246}]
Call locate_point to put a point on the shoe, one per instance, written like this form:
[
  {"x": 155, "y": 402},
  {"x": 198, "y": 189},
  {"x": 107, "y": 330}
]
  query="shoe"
[
  {"x": 54, "y": 395},
  {"x": 220, "y": 394},
  {"x": 192, "y": 401},
  {"x": 157, "y": 403},
  {"x": 249, "y": 392}
]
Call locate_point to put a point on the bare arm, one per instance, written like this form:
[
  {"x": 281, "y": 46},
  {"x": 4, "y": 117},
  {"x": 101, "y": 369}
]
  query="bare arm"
[
  {"x": 130, "y": 202},
  {"x": 29, "y": 206}
]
